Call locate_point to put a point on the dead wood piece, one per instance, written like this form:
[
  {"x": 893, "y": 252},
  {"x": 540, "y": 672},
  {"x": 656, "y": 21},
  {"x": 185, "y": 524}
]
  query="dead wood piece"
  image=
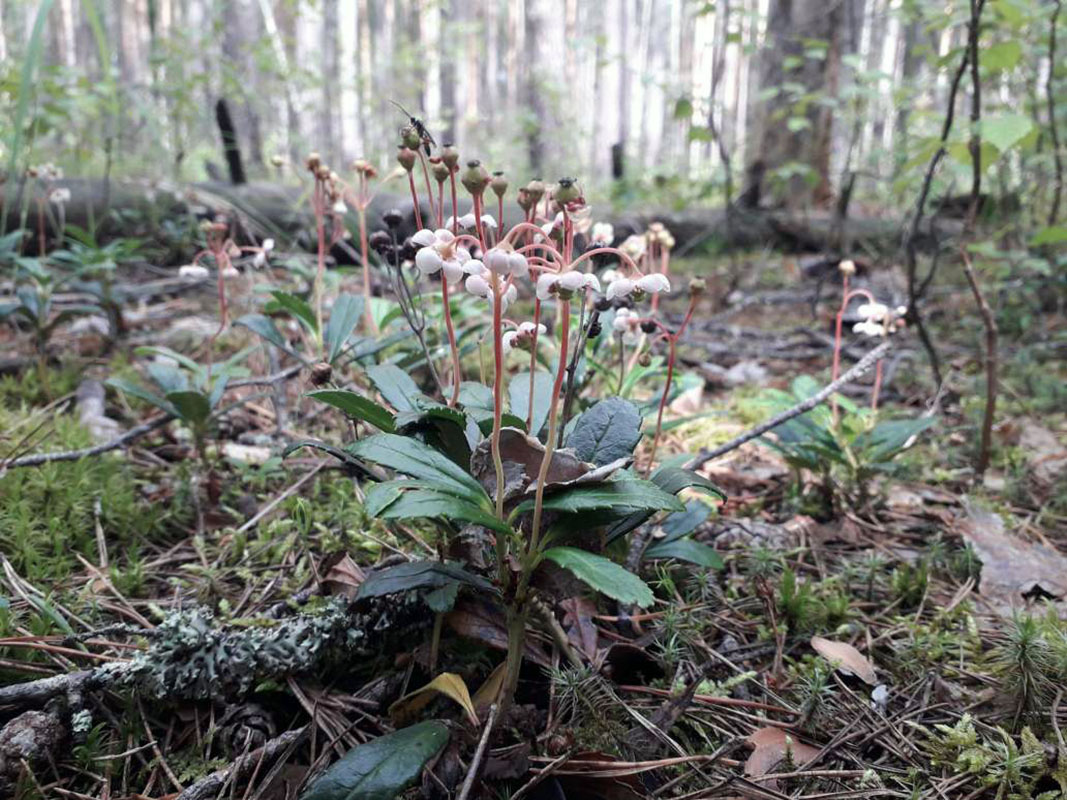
[{"x": 210, "y": 787}]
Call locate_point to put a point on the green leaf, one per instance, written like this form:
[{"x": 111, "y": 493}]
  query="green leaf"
[
  {"x": 336, "y": 452},
  {"x": 264, "y": 328},
  {"x": 683, "y": 108},
  {"x": 418, "y": 575},
  {"x": 395, "y": 385},
  {"x": 432, "y": 504},
  {"x": 344, "y": 316},
  {"x": 686, "y": 550},
  {"x": 1005, "y": 130},
  {"x": 519, "y": 394},
  {"x": 358, "y": 407},
  {"x": 383, "y": 767},
  {"x": 380, "y": 496},
  {"x": 296, "y": 306},
  {"x": 602, "y": 574},
  {"x": 193, "y": 407},
  {"x": 621, "y": 496},
  {"x": 412, "y": 457},
  {"x": 1050, "y": 235},
  {"x": 141, "y": 393},
  {"x": 443, "y": 599},
  {"x": 888, "y": 438},
  {"x": 608, "y": 431},
  {"x": 682, "y": 523},
  {"x": 673, "y": 479},
  {"x": 1001, "y": 56}
]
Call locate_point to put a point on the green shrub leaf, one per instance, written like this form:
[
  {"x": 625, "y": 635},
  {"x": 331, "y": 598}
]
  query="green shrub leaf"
[
  {"x": 418, "y": 575},
  {"x": 686, "y": 550},
  {"x": 608, "y": 431},
  {"x": 602, "y": 574},
  {"x": 412, "y": 457},
  {"x": 358, "y": 407}
]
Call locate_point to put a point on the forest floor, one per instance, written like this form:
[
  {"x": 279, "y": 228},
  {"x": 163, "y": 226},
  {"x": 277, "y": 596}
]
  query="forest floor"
[{"x": 885, "y": 626}]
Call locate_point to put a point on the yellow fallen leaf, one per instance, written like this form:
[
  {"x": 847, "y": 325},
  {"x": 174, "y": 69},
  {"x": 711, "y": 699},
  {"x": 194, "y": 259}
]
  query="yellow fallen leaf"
[
  {"x": 489, "y": 691},
  {"x": 448, "y": 684}
]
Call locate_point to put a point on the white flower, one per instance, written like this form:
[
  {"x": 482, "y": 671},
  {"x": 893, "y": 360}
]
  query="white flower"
[
  {"x": 60, "y": 196},
  {"x": 438, "y": 252},
  {"x": 869, "y": 328},
  {"x": 546, "y": 285},
  {"x": 591, "y": 282},
  {"x": 508, "y": 340},
  {"x": 571, "y": 281},
  {"x": 474, "y": 266},
  {"x": 603, "y": 233},
  {"x": 873, "y": 311},
  {"x": 268, "y": 245},
  {"x": 619, "y": 288},
  {"x": 518, "y": 265},
  {"x": 193, "y": 272},
  {"x": 523, "y": 337},
  {"x": 230, "y": 271},
  {"x": 609, "y": 275},
  {"x": 628, "y": 323},
  {"x": 477, "y": 285},
  {"x": 453, "y": 271},
  {"x": 497, "y": 261},
  {"x": 259, "y": 259},
  {"x": 654, "y": 283},
  {"x": 339, "y": 208},
  {"x": 424, "y": 238},
  {"x": 528, "y": 328},
  {"x": 510, "y": 296},
  {"x": 634, "y": 246},
  {"x": 488, "y": 221},
  {"x": 428, "y": 260}
]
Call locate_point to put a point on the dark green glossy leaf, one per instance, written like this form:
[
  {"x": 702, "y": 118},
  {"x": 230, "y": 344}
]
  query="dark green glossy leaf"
[
  {"x": 682, "y": 523},
  {"x": 602, "y": 574},
  {"x": 686, "y": 550},
  {"x": 396, "y": 386},
  {"x": 608, "y": 431},
  {"x": 193, "y": 407},
  {"x": 263, "y": 327},
  {"x": 412, "y": 457},
  {"x": 358, "y": 407},
  {"x": 296, "y": 306},
  {"x": 383, "y": 767},
  {"x": 623, "y": 495},
  {"x": 418, "y": 575},
  {"x": 674, "y": 479},
  {"x": 344, "y": 316},
  {"x": 433, "y": 504}
]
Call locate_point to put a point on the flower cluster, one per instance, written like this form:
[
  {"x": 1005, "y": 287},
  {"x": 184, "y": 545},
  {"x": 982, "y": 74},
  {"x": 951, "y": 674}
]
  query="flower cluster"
[{"x": 879, "y": 320}]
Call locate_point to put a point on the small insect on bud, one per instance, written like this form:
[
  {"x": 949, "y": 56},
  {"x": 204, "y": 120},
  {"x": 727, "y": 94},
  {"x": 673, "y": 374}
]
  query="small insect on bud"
[
  {"x": 499, "y": 184},
  {"x": 566, "y": 191},
  {"x": 409, "y": 135},
  {"x": 313, "y": 162},
  {"x": 847, "y": 267},
  {"x": 697, "y": 287},
  {"x": 406, "y": 157},
  {"x": 645, "y": 360},
  {"x": 321, "y": 373},
  {"x": 440, "y": 169},
  {"x": 277, "y": 160},
  {"x": 536, "y": 190},
  {"x": 648, "y": 326},
  {"x": 475, "y": 178},
  {"x": 450, "y": 155},
  {"x": 393, "y": 217}
]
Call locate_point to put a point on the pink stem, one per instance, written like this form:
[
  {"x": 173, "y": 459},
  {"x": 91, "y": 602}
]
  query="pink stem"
[
  {"x": 415, "y": 200},
  {"x": 456, "y": 374}
]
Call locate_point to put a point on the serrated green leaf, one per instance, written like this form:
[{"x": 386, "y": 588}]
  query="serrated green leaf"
[
  {"x": 383, "y": 767},
  {"x": 622, "y": 496},
  {"x": 358, "y": 407},
  {"x": 412, "y": 457},
  {"x": 429, "y": 503},
  {"x": 674, "y": 479},
  {"x": 344, "y": 316},
  {"x": 602, "y": 574},
  {"x": 682, "y": 523},
  {"x": 396, "y": 386},
  {"x": 686, "y": 550},
  {"x": 608, "y": 431},
  {"x": 418, "y": 575}
]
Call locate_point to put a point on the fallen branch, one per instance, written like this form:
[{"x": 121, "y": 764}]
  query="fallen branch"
[
  {"x": 210, "y": 787},
  {"x": 74, "y": 455},
  {"x": 861, "y": 367}
]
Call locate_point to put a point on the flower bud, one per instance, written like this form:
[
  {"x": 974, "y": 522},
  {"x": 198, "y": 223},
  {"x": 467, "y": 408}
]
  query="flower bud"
[
  {"x": 321, "y": 373},
  {"x": 499, "y": 184},
  {"x": 313, "y": 162},
  {"x": 393, "y": 217},
  {"x": 406, "y": 156},
  {"x": 323, "y": 172},
  {"x": 697, "y": 287},
  {"x": 450, "y": 155},
  {"x": 475, "y": 178},
  {"x": 566, "y": 191},
  {"x": 409, "y": 135},
  {"x": 847, "y": 267},
  {"x": 524, "y": 200},
  {"x": 536, "y": 190},
  {"x": 645, "y": 359}
]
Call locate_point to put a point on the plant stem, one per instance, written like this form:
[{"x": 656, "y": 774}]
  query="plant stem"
[
  {"x": 533, "y": 364},
  {"x": 456, "y": 373},
  {"x": 498, "y": 402},
  {"x": 365, "y": 255},
  {"x": 516, "y": 624},
  {"x": 662, "y": 404},
  {"x": 415, "y": 200},
  {"x": 990, "y": 323},
  {"x": 320, "y": 272}
]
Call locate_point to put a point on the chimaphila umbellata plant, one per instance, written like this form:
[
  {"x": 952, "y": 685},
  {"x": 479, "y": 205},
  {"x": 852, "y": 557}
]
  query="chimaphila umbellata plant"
[{"x": 505, "y": 460}]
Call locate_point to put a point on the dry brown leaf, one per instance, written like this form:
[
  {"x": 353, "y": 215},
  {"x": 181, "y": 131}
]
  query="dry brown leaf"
[
  {"x": 845, "y": 658},
  {"x": 1046, "y": 457},
  {"x": 1013, "y": 569},
  {"x": 448, "y": 684},
  {"x": 342, "y": 577},
  {"x": 484, "y": 622},
  {"x": 578, "y": 615},
  {"x": 770, "y": 746}
]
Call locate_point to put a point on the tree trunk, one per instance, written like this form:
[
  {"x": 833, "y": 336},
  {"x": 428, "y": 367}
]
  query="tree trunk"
[{"x": 792, "y": 28}]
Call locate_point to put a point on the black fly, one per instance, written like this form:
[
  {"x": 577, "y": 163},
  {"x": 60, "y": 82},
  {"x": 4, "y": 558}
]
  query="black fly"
[{"x": 420, "y": 128}]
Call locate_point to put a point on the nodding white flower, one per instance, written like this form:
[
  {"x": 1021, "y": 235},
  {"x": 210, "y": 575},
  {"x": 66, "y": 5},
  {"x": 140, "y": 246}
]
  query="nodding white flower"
[
  {"x": 876, "y": 312},
  {"x": 546, "y": 285},
  {"x": 591, "y": 282},
  {"x": 628, "y": 323},
  {"x": 60, "y": 196},
  {"x": 654, "y": 283},
  {"x": 571, "y": 281},
  {"x": 608, "y": 275},
  {"x": 438, "y": 252},
  {"x": 193, "y": 272},
  {"x": 230, "y": 271},
  {"x": 511, "y": 294},
  {"x": 603, "y": 233},
  {"x": 268, "y": 245},
  {"x": 474, "y": 266},
  {"x": 518, "y": 265},
  {"x": 619, "y": 288},
  {"x": 522, "y": 337},
  {"x": 339, "y": 208},
  {"x": 259, "y": 259},
  {"x": 488, "y": 221},
  {"x": 478, "y": 285},
  {"x": 497, "y": 260},
  {"x": 869, "y": 328}
]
